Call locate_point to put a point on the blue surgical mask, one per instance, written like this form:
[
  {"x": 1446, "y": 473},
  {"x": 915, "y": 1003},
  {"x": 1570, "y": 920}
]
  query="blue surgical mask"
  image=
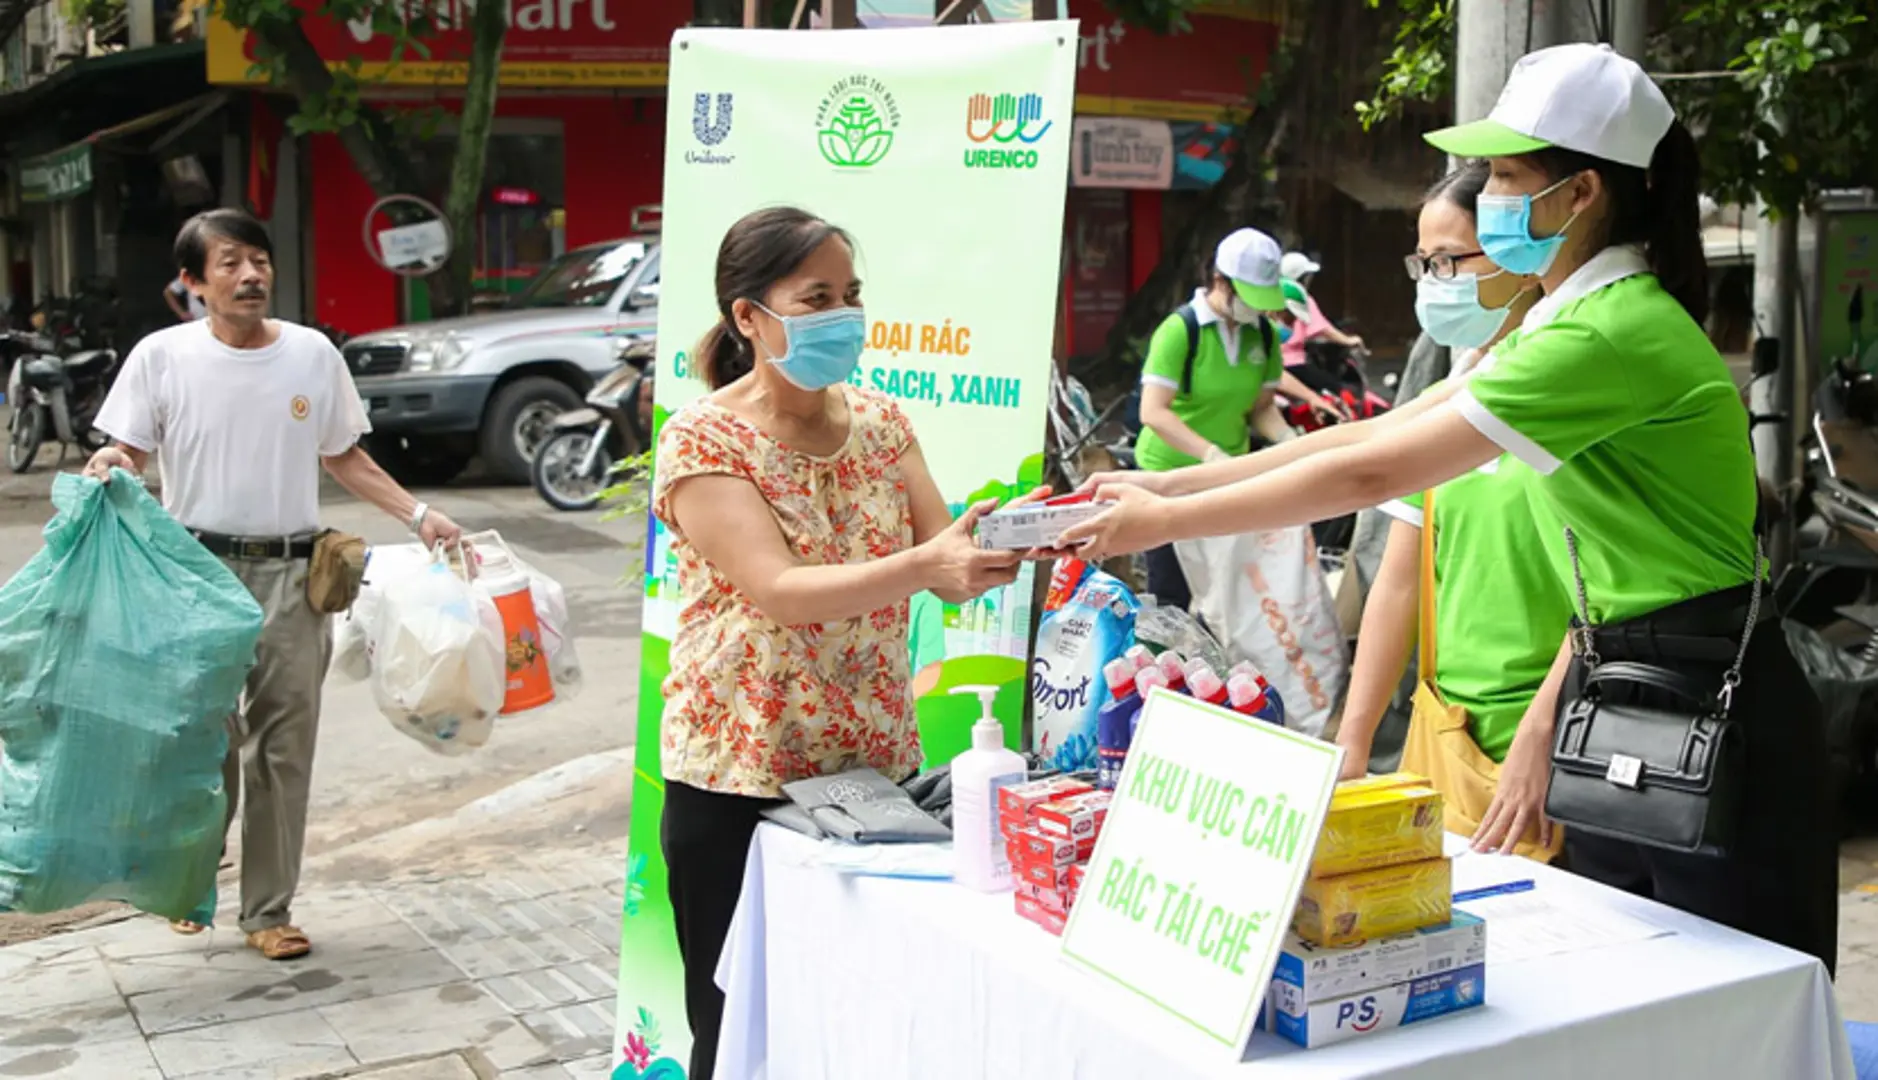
[
  {"x": 823, "y": 349},
  {"x": 1504, "y": 223},
  {"x": 1452, "y": 314}
]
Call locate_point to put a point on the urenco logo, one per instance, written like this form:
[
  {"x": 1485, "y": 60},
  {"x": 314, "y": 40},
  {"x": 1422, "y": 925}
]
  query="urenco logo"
[{"x": 1002, "y": 129}]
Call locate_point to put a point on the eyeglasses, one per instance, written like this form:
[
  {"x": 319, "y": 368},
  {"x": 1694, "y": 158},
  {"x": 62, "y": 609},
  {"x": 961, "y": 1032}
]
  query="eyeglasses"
[{"x": 1439, "y": 266}]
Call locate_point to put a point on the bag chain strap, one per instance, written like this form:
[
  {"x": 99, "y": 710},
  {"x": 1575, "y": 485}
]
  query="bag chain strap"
[{"x": 1584, "y": 643}]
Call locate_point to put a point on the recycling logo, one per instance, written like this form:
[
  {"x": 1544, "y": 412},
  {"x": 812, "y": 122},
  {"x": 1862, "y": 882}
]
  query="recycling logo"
[{"x": 855, "y": 124}]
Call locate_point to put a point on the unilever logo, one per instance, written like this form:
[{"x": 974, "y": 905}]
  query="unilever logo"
[
  {"x": 710, "y": 126},
  {"x": 855, "y": 124},
  {"x": 1002, "y": 121}
]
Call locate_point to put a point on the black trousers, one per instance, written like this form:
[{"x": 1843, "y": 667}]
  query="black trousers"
[
  {"x": 705, "y": 836},
  {"x": 1781, "y": 880},
  {"x": 1166, "y": 580}
]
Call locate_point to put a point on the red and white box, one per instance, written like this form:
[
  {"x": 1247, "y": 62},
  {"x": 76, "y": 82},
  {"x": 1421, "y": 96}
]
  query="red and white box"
[
  {"x": 1078, "y": 817},
  {"x": 1051, "y": 899},
  {"x": 1075, "y": 877},
  {"x": 1016, "y": 802},
  {"x": 1042, "y": 916},
  {"x": 1042, "y": 875},
  {"x": 1034, "y": 845}
]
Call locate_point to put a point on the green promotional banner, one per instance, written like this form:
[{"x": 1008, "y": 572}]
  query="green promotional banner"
[
  {"x": 62, "y": 174},
  {"x": 944, "y": 152},
  {"x": 1848, "y": 287}
]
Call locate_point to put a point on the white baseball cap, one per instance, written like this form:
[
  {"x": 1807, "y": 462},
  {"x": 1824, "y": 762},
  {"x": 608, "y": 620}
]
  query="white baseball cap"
[
  {"x": 1296, "y": 264},
  {"x": 1579, "y": 97},
  {"x": 1250, "y": 259}
]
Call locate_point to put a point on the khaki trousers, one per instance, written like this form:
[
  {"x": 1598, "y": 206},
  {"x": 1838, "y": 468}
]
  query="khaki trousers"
[{"x": 276, "y": 724}]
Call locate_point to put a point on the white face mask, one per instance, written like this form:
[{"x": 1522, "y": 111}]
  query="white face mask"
[{"x": 1243, "y": 313}]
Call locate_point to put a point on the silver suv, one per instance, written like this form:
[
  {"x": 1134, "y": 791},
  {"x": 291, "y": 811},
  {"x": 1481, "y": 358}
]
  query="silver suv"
[{"x": 442, "y": 392}]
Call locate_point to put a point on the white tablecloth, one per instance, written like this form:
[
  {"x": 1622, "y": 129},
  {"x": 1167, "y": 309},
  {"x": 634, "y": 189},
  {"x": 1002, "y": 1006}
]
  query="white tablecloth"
[{"x": 848, "y": 978}]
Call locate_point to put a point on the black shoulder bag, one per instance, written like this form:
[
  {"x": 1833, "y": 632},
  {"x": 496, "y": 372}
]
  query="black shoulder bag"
[{"x": 1644, "y": 754}]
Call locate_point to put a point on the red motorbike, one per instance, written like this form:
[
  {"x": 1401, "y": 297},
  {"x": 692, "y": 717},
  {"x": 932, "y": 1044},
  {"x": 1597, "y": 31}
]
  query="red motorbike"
[{"x": 1336, "y": 371}]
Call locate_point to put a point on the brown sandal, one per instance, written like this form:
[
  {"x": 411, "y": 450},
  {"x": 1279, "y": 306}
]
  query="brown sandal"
[
  {"x": 280, "y": 943},
  {"x": 186, "y": 928}
]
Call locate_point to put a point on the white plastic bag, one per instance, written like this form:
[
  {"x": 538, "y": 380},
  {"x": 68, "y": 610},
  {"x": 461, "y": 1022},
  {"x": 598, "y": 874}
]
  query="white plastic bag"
[
  {"x": 352, "y": 632},
  {"x": 1265, "y": 597},
  {"x": 550, "y": 602},
  {"x": 437, "y": 663}
]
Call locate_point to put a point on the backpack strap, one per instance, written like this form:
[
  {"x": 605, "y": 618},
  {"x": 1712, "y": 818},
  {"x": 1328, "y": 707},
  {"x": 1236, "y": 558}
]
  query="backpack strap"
[
  {"x": 1265, "y": 334},
  {"x": 1191, "y": 320}
]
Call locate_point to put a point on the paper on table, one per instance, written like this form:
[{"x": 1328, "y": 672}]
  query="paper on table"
[
  {"x": 1529, "y": 925},
  {"x": 924, "y": 862}
]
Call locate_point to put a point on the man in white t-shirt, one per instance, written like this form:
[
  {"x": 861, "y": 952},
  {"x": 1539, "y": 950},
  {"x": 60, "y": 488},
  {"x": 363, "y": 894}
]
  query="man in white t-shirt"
[
  {"x": 183, "y": 300},
  {"x": 244, "y": 411}
]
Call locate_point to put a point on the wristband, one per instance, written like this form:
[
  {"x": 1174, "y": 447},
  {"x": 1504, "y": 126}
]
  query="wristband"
[{"x": 418, "y": 515}]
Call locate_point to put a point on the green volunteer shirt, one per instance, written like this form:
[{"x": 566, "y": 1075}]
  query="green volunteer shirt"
[
  {"x": 1223, "y": 392},
  {"x": 1499, "y": 611},
  {"x": 1618, "y": 400}
]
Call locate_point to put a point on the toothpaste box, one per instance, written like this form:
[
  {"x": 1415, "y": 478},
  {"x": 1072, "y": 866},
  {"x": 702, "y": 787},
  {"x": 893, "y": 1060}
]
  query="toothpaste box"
[
  {"x": 1307, "y": 974},
  {"x": 1015, "y": 801},
  {"x": 1051, "y": 899},
  {"x": 1413, "y": 1001},
  {"x": 1036, "y": 525},
  {"x": 1042, "y": 875},
  {"x": 1032, "y": 845},
  {"x": 1042, "y": 916},
  {"x": 1078, "y": 817}
]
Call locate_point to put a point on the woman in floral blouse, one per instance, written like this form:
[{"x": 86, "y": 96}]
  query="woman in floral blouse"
[{"x": 803, "y": 518}]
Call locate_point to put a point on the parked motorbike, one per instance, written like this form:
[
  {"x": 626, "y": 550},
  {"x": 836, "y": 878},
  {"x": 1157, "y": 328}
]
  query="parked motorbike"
[
  {"x": 52, "y": 395},
  {"x": 1340, "y": 372},
  {"x": 575, "y": 462}
]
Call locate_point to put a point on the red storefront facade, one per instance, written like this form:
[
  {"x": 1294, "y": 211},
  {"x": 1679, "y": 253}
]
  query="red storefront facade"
[{"x": 578, "y": 143}]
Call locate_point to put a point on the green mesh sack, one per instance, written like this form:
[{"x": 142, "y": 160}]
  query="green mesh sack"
[{"x": 123, "y": 648}]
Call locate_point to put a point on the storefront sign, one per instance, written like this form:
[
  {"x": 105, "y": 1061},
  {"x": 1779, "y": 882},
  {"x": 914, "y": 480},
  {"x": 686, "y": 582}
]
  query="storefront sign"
[
  {"x": 513, "y": 196},
  {"x": 1098, "y": 266},
  {"x": 597, "y": 43},
  {"x": 904, "y": 140},
  {"x": 1111, "y": 152},
  {"x": 1208, "y": 73},
  {"x": 417, "y": 248},
  {"x": 1848, "y": 286},
  {"x": 62, "y": 174},
  {"x": 1190, "y": 891}
]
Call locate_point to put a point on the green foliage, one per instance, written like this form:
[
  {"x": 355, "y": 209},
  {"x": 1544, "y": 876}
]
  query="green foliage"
[
  {"x": 1797, "y": 76},
  {"x": 340, "y": 106},
  {"x": 630, "y": 493},
  {"x": 92, "y": 12},
  {"x": 1419, "y": 68}
]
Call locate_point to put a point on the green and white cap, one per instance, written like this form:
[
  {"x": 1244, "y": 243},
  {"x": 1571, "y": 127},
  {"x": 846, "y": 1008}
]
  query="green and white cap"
[
  {"x": 1250, "y": 259},
  {"x": 1579, "y": 97}
]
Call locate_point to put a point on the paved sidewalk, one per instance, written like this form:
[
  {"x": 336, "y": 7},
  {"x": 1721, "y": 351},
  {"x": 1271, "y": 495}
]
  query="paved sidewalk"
[{"x": 513, "y": 968}]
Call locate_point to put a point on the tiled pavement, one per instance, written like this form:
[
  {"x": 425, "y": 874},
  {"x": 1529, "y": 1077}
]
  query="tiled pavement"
[{"x": 517, "y": 966}]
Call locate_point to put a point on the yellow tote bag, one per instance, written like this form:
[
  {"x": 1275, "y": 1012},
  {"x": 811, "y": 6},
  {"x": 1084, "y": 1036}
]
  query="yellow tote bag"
[{"x": 1439, "y": 745}]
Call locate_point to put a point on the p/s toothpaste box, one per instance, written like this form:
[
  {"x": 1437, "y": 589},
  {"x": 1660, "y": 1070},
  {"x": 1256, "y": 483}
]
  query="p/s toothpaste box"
[
  {"x": 1338, "y": 1019},
  {"x": 1016, "y": 801},
  {"x": 1036, "y": 525},
  {"x": 1307, "y": 973}
]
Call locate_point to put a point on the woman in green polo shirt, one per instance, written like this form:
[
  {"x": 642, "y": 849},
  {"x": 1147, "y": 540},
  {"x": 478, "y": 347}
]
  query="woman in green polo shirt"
[
  {"x": 1496, "y": 605},
  {"x": 1613, "y": 395},
  {"x": 1212, "y": 366}
]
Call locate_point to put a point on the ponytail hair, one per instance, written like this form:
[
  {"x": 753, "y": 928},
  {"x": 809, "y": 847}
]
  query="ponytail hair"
[
  {"x": 1658, "y": 208},
  {"x": 761, "y": 249},
  {"x": 722, "y": 355}
]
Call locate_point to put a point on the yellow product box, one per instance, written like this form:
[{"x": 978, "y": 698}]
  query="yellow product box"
[
  {"x": 1352, "y": 908},
  {"x": 1379, "y": 821}
]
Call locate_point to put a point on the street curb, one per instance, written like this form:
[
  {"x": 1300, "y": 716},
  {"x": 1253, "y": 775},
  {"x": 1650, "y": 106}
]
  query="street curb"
[{"x": 529, "y": 793}]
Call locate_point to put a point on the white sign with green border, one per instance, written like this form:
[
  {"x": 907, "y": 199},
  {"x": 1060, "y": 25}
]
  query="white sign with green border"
[{"x": 1190, "y": 891}]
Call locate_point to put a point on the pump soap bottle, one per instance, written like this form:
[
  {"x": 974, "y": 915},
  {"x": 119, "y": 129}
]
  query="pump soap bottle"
[{"x": 980, "y": 859}]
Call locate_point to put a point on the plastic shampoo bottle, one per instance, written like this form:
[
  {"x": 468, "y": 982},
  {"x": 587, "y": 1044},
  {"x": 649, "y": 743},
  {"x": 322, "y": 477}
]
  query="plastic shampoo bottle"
[{"x": 980, "y": 860}]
